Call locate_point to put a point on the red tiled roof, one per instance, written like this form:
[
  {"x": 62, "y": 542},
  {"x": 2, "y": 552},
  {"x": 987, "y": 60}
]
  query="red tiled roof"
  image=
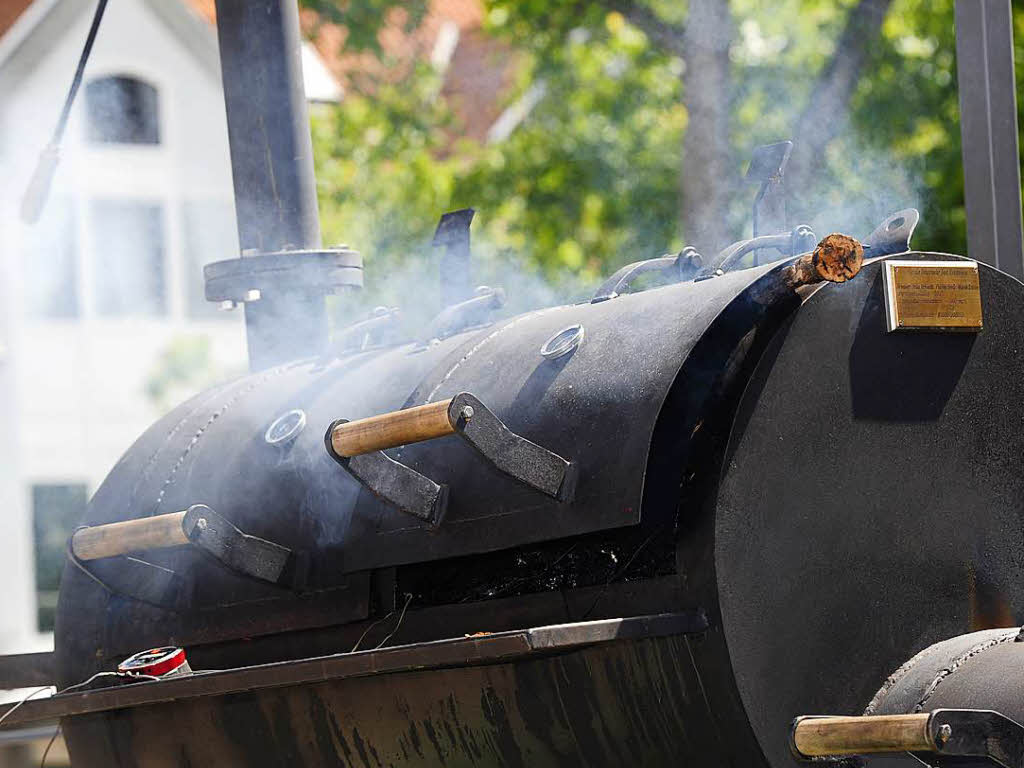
[
  {"x": 10, "y": 10},
  {"x": 480, "y": 71},
  {"x": 204, "y": 8}
]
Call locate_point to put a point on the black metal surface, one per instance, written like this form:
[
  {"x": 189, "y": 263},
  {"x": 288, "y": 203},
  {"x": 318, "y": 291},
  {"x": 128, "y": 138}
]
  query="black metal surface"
[
  {"x": 394, "y": 483},
  {"x": 213, "y": 448},
  {"x": 936, "y": 676},
  {"x": 248, "y": 555},
  {"x": 268, "y": 127},
  {"x": 597, "y": 406},
  {"x": 977, "y": 733},
  {"x": 976, "y": 672},
  {"x": 21, "y": 670},
  {"x": 313, "y": 271},
  {"x": 456, "y": 267},
  {"x": 486, "y": 648},
  {"x": 841, "y": 535},
  {"x": 271, "y": 166},
  {"x": 630, "y": 701},
  {"x": 138, "y": 579},
  {"x": 531, "y": 464},
  {"x": 988, "y": 129},
  {"x": 681, "y": 266}
]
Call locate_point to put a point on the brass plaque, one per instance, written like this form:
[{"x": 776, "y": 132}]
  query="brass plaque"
[{"x": 932, "y": 295}]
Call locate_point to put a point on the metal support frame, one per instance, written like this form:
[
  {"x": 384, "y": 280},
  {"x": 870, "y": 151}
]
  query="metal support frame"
[
  {"x": 496, "y": 648},
  {"x": 988, "y": 128},
  {"x": 272, "y": 167}
]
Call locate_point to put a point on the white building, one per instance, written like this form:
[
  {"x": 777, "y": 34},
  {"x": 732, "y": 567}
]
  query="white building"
[{"x": 102, "y": 301}]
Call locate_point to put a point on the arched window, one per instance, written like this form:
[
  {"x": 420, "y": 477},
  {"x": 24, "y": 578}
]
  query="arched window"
[{"x": 122, "y": 110}]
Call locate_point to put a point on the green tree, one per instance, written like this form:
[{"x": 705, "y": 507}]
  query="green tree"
[{"x": 643, "y": 114}]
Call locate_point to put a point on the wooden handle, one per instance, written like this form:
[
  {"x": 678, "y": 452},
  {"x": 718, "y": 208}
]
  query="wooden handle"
[
  {"x": 826, "y": 736},
  {"x": 837, "y": 258},
  {"x": 411, "y": 425},
  {"x": 112, "y": 539}
]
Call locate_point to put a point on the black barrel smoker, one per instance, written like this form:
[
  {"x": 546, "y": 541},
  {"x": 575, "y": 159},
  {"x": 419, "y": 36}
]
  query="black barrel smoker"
[{"x": 648, "y": 529}]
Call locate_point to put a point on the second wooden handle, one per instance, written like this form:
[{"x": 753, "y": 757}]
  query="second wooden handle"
[
  {"x": 112, "y": 539},
  {"x": 411, "y": 425},
  {"x": 827, "y": 736}
]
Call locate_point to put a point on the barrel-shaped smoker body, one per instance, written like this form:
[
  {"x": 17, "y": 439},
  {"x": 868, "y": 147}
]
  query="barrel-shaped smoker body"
[{"x": 720, "y": 430}]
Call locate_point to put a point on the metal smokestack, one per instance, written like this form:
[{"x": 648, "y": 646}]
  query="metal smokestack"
[{"x": 275, "y": 189}]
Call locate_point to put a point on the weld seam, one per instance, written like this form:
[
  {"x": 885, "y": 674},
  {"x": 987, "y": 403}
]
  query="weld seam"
[
  {"x": 476, "y": 348},
  {"x": 958, "y": 662},
  {"x": 199, "y": 432}
]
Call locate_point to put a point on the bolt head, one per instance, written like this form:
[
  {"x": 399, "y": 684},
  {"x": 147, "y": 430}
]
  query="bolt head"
[
  {"x": 201, "y": 524},
  {"x": 945, "y": 731},
  {"x": 466, "y": 413}
]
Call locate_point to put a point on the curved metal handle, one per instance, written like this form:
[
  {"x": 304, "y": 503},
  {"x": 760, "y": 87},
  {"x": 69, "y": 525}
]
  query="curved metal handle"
[
  {"x": 893, "y": 235},
  {"x": 687, "y": 262},
  {"x": 361, "y": 334},
  {"x": 799, "y": 240},
  {"x": 466, "y": 314}
]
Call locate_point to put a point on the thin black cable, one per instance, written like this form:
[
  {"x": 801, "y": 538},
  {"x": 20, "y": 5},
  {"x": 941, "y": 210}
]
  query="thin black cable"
[
  {"x": 409, "y": 599},
  {"x": 109, "y": 589},
  {"x": 56, "y": 731},
  {"x": 367, "y": 630},
  {"x": 42, "y": 760},
  {"x": 78, "y": 563},
  {"x": 38, "y": 190},
  {"x": 621, "y": 571},
  {"x": 36, "y": 692},
  {"x": 76, "y": 81}
]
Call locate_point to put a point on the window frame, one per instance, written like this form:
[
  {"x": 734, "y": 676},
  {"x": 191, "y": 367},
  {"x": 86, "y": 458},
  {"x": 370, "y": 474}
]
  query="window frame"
[{"x": 139, "y": 136}]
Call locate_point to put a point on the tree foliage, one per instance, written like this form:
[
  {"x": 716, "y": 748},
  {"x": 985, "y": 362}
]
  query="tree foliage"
[{"x": 590, "y": 179}]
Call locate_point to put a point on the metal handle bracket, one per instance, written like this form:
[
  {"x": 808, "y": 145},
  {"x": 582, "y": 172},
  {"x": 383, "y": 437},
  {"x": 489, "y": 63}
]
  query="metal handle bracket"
[
  {"x": 954, "y": 733},
  {"x": 200, "y": 526},
  {"x": 411, "y": 492}
]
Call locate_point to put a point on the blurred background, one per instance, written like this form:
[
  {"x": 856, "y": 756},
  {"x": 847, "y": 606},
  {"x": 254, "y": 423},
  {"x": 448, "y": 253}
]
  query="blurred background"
[{"x": 586, "y": 134}]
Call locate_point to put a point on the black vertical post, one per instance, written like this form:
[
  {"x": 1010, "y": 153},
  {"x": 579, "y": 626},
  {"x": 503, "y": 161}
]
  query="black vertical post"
[
  {"x": 988, "y": 129},
  {"x": 456, "y": 264},
  {"x": 272, "y": 167}
]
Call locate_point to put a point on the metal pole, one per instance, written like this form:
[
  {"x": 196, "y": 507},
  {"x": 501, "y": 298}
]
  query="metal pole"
[
  {"x": 272, "y": 167},
  {"x": 988, "y": 129}
]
